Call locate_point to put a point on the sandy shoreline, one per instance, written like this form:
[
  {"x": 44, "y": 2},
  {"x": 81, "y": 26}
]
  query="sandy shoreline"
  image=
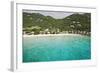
[{"x": 49, "y": 35}]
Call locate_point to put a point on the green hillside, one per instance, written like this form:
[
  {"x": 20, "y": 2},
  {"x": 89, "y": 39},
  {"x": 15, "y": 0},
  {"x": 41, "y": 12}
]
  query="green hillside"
[{"x": 75, "y": 23}]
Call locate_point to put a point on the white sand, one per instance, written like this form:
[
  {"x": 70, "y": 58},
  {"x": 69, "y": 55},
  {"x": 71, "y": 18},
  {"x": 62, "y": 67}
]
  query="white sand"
[{"x": 25, "y": 35}]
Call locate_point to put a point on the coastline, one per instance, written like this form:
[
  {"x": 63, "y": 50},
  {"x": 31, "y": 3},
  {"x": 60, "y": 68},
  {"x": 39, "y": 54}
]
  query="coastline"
[{"x": 43, "y": 35}]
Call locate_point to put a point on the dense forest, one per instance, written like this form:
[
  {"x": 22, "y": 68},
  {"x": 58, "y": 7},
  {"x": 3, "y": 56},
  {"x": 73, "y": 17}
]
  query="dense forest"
[{"x": 36, "y": 23}]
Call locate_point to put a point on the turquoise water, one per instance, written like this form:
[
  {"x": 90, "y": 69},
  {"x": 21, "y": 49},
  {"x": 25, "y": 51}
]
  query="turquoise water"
[{"x": 56, "y": 48}]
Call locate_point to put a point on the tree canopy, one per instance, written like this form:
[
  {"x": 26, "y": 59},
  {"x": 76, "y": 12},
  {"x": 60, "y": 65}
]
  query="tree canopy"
[{"x": 74, "y": 22}]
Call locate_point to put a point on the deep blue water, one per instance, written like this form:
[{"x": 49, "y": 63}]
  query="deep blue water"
[{"x": 56, "y": 48}]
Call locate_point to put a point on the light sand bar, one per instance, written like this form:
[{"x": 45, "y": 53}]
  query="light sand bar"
[{"x": 43, "y": 35}]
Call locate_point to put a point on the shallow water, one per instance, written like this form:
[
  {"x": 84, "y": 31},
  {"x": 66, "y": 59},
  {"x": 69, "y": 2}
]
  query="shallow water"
[{"x": 56, "y": 48}]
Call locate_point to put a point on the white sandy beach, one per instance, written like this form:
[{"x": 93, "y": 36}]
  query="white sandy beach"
[{"x": 43, "y": 35}]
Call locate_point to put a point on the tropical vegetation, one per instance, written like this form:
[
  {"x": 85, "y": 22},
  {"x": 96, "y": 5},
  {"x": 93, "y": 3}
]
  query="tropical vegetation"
[{"x": 36, "y": 23}]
